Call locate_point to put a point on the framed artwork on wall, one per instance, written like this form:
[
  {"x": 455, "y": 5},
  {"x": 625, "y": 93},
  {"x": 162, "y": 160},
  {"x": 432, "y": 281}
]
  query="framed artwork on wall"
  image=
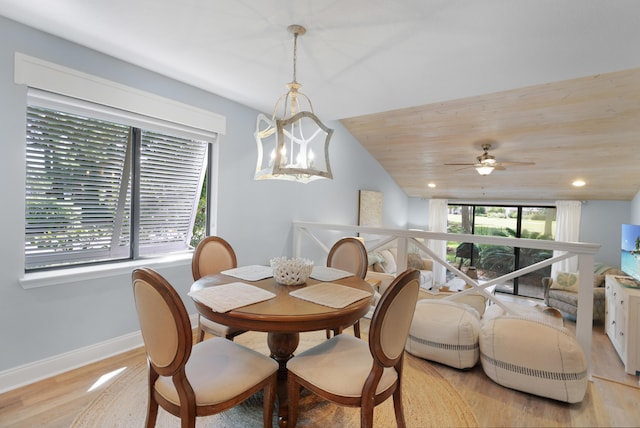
[{"x": 370, "y": 208}]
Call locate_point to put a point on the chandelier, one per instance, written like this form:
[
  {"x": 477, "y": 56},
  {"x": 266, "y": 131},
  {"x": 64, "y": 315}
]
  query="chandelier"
[{"x": 296, "y": 142}]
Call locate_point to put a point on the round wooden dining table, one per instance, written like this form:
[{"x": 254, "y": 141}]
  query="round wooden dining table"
[{"x": 283, "y": 318}]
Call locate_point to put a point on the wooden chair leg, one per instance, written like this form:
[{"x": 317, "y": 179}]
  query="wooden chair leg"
[
  {"x": 152, "y": 404},
  {"x": 356, "y": 329},
  {"x": 200, "y": 336},
  {"x": 152, "y": 413},
  {"x": 398, "y": 408},
  {"x": 293, "y": 393},
  {"x": 366, "y": 416},
  {"x": 269, "y": 398}
]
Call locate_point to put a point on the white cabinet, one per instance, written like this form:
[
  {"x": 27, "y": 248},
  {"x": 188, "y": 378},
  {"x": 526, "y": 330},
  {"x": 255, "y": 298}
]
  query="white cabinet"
[{"x": 622, "y": 322}]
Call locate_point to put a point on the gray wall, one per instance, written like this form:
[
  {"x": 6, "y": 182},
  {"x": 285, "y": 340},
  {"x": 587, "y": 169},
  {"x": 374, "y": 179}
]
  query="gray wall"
[
  {"x": 635, "y": 209},
  {"x": 255, "y": 217},
  {"x": 601, "y": 222}
]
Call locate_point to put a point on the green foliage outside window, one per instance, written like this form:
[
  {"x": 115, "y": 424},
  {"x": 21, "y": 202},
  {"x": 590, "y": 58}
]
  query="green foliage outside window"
[{"x": 200, "y": 223}]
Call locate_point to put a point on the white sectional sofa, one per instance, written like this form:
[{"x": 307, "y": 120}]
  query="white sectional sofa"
[{"x": 383, "y": 266}]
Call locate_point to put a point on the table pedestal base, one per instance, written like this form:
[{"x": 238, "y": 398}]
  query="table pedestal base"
[{"x": 282, "y": 347}]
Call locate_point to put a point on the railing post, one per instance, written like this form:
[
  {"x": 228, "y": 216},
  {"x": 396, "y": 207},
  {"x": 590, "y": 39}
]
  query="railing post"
[
  {"x": 584, "y": 317},
  {"x": 297, "y": 240},
  {"x": 401, "y": 263}
]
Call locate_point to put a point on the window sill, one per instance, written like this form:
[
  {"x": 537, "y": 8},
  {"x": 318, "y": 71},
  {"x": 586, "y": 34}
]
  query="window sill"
[{"x": 65, "y": 276}]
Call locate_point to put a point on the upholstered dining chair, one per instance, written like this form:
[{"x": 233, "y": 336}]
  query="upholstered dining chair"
[
  {"x": 213, "y": 255},
  {"x": 351, "y": 372},
  {"x": 349, "y": 254},
  {"x": 200, "y": 380}
]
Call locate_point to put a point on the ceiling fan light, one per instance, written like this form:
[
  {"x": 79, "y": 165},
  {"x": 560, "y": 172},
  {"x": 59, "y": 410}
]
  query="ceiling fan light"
[
  {"x": 484, "y": 169},
  {"x": 490, "y": 160}
]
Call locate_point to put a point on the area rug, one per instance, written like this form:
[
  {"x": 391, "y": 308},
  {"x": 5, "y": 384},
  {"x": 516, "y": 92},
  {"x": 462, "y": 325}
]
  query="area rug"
[{"x": 429, "y": 401}]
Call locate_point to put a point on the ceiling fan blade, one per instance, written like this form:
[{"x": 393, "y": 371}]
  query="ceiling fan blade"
[
  {"x": 486, "y": 161},
  {"x": 516, "y": 163}
]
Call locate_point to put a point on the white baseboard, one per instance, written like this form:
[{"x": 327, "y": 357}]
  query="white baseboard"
[{"x": 52, "y": 366}]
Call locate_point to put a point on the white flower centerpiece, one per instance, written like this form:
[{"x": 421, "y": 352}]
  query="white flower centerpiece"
[{"x": 291, "y": 271}]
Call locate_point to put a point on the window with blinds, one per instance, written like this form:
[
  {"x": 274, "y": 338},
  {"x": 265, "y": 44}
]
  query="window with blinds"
[{"x": 100, "y": 191}]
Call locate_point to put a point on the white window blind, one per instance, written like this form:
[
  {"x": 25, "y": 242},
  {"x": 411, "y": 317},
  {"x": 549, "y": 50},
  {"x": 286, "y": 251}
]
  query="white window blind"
[
  {"x": 81, "y": 170},
  {"x": 113, "y": 172}
]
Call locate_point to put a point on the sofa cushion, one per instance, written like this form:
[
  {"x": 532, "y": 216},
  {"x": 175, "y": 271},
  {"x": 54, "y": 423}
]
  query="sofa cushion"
[
  {"x": 534, "y": 357},
  {"x": 564, "y": 296},
  {"x": 566, "y": 281},
  {"x": 568, "y": 302},
  {"x": 445, "y": 332}
]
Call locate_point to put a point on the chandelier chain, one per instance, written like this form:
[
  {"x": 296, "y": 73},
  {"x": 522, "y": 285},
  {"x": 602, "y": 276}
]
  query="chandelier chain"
[{"x": 295, "y": 55}]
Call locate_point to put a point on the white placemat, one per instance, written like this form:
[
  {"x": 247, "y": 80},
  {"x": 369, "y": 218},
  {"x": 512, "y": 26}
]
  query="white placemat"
[
  {"x": 250, "y": 273},
  {"x": 324, "y": 273},
  {"x": 223, "y": 298},
  {"x": 330, "y": 294}
]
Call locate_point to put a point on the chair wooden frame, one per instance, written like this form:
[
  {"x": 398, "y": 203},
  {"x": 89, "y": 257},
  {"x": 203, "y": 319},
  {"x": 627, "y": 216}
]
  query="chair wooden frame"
[
  {"x": 387, "y": 350},
  {"x": 168, "y": 357},
  {"x": 201, "y": 266},
  {"x": 335, "y": 260}
]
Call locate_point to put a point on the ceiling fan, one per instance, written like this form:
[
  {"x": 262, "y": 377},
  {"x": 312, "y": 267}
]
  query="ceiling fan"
[{"x": 487, "y": 163}]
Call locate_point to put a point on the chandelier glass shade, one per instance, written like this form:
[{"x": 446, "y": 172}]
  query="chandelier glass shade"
[{"x": 293, "y": 144}]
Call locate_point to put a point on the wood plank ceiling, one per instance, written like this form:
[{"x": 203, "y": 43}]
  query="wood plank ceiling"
[{"x": 586, "y": 128}]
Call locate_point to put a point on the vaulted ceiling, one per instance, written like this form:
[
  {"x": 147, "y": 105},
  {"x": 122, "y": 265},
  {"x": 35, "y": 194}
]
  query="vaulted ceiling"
[{"x": 420, "y": 83}]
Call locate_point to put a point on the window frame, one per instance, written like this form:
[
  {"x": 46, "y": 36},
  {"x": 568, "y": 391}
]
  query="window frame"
[
  {"x": 36, "y": 74},
  {"x": 518, "y": 228}
]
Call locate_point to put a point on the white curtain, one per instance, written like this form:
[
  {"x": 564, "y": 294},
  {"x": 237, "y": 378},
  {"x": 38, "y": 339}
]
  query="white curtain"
[
  {"x": 567, "y": 230},
  {"x": 438, "y": 211}
]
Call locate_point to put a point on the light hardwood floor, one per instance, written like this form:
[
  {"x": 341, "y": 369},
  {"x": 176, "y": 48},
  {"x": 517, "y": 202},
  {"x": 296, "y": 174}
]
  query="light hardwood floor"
[{"x": 612, "y": 398}]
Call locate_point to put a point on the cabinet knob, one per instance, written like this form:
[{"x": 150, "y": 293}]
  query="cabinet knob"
[{"x": 621, "y": 333}]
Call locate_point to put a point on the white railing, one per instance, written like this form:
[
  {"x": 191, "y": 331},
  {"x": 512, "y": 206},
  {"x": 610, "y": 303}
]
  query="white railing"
[{"x": 584, "y": 251}]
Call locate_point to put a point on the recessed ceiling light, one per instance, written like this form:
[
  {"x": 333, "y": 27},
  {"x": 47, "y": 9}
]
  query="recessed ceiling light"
[
  {"x": 578, "y": 183},
  {"x": 432, "y": 185}
]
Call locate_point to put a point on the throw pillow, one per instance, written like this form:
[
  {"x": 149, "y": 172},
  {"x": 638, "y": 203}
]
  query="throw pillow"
[
  {"x": 414, "y": 261},
  {"x": 615, "y": 271},
  {"x": 598, "y": 281},
  {"x": 374, "y": 258},
  {"x": 389, "y": 263},
  {"x": 566, "y": 281}
]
